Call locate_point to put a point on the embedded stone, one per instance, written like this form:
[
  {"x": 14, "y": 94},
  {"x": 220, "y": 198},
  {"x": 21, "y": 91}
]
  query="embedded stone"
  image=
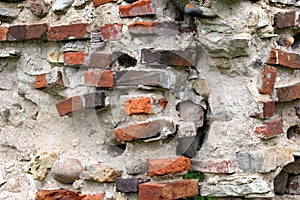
[
  {"x": 99, "y": 173},
  {"x": 186, "y": 129},
  {"x": 8, "y": 14},
  {"x": 191, "y": 112},
  {"x": 38, "y": 7},
  {"x": 66, "y": 170},
  {"x": 61, "y": 6},
  {"x": 124, "y": 59},
  {"x": 293, "y": 185},
  {"x": 128, "y": 185},
  {"x": 137, "y": 167},
  {"x": 202, "y": 87},
  {"x": 280, "y": 182},
  {"x": 297, "y": 109},
  {"x": 293, "y": 168},
  {"x": 56, "y": 57},
  {"x": 101, "y": 60},
  {"x": 9, "y": 53},
  {"x": 285, "y": 19}
]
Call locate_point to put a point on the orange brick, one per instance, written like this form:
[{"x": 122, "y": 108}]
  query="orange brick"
[
  {"x": 3, "y": 33},
  {"x": 111, "y": 31},
  {"x": 169, "y": 190},
  {"x": 170, "y": 165},
  {"x": 40, "y": 81},
  {"x": 139, "y": 8},
  {"x": 138, "y": 106},
  {"x": 103, "y": 79},
  {"x": 65, "y": 194},
  {"x": 69, "y": 105},
  {"x": 101, "y": 2},
  {"x": 75, "y": 58}
]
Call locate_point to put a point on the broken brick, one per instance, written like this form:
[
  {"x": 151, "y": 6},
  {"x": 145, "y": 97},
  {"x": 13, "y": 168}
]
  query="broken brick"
[
  {"x": 111, "y": 32},
  {"x": 267, "y": 79},
  {"x": 271, "y": 128},
  {"x": 140, "y": 8},
  {"x": 105, "y": 79},
  {"x": 278, "y": 57}
]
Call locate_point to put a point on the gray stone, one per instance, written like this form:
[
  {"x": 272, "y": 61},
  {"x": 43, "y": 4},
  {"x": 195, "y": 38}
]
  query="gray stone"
[
  {"x": 190, "y": 112},
  {"x": 188, "y": 146},
  {"x": 202, "y": 88},
  {"x": 61, "y": 6},
  {"x": 287, "y": 2},
  {"x": 8, "y": 14},
  {"x": 137, "y": 167},
  {"x": 5, "y": 115},
  {"x": 127, "y": 185},
  {"x": 293, "y": 168},
  {"x": 186, "y": 129},
  {"x": 80, "y": 3},
  {"x": 294, "y": 185},
  {"x": 66, "y": 170},
  {"x": 9, "y": 53},
  {"x": 99, "y": 173},
  {"x": 280, "y": 182}
]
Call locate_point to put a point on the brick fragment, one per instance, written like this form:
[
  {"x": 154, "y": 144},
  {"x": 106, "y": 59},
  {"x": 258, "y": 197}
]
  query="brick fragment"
[
  {"x": 128, "y": 185},
  {"x": 111, "y": 32},
  {"x": 105, "y": 79},
  {"x": 213, "y": 166},
  {"x": 144, "y": 105},
  {"x": 69, "y": 105},
  {"x": 3, "y": 33},
  {"x": 65, "y": 195},
  {"x": 140, "y": 8},
  {"x": 40, "y": 81},
  {"x": 268, "y": 108},
  {"x": 267, "y": 79},
  {"x": 169, "y": 190},
  {"x": 285, "y": 19},
  {"x": 68, "y": 32},
  {"x": 271, "y": 128},
  {"x": 156, "y": 28},
  {"x": 36, "y": 31},
  {"x": 278, "y": 57},
  {"x": 165, "y": 57},
  {"x": 101, "y": 2},
  {"x": 16, "y": 33},
  {"x": 94, "y": 100},
  {"x": 48, "y": 80},
  {"x": 159, "y": 167},
  {"x": 75, "y": 58},
  {"x": 101, "y": 60},
  {"x": 288, "y": 93}
]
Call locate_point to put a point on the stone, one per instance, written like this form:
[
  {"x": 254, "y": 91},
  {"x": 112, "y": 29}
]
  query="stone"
[
  {"x": 80, "y": 3},
  {"x": 38, "y": 7},
  {"x": 61, "y": 6},
  {"x": 8, "y": 14},
  {"x": 155, "y": 130},
  {"x": 264, "y": 161},
  {"x": 101, "y": 2},
  {"x": 170, "y": 58},
  {"x": 202, "y": 88},
  {"x": 151, "y": 78},
  {"x": 169, "y": 190},
  {"x": 101, "y": 60},
  {"x": 3, "y": 33},
  {"x": 186, "y": 129},
  {"x": 293, "y": 185},
  {"x": 105, "y": 79},
  {"x": 124, "y": 59},
  {"x": 39, "y": 165},
  {"x": 5, "y": 114},
  {"x": 69, "y": 105},
  {"x": 267, "y": 79},
  {"x": 154, "y": 28},
  {"x": 94, "y": 100},
  {"x": 297, "y": 109},
  {"x": 99, "y": 173},
  {"x": 286, "y": 59},
  {"x": 288, "y": 93},
  {"x": 36, "y": 31},
  {"x": 128, "y": 185},
  {"x": 280, "y": 183},
  {"x": 111, "y": 32},
  {"x": 56, "y": 57},
  {"x": 293, "y": 168},
  {"x": 285, "y": 19},
  {"x": 271, "y": 128},
  {"x": 158, "y": 167},
  {"x": 9, "y": 53},
  {"x": 75, "y": 58},
  {"x": 17, "y": 32},
  {"x": 68, "y": 32},
  {"x": 187, "y": 146},
  {"x": 66, "y": 170},
  {"x": 191, "y": 112},
  {"x": 144, "y": 105},
  {"x": 140, "y": 8},
  {"x": 138, "y": 166},
  {"x": 213, "y": 166},
  {"x": 65, "y": 195},
  {"x": 293, "y": 134},
  {"x": 287, "y": 2}
]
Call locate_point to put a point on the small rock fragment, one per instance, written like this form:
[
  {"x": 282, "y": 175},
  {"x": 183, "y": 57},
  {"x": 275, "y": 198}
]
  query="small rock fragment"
[{"x": 99, "y": 173}]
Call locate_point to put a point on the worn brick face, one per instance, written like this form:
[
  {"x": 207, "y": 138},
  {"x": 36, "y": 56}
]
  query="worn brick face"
[
  {"x": 267, "y": 79},
  {"x": 69, "y": 105},
  {"x": 278, "y": 57},
  {"x": 101, "y": 60},
  {"x": 140, "y": 8},
  {"x": 169, "y": 190},
  {"x": 104, "y": 79},
  {"x": 271, "y": 128},
  {"x": 65, "y": 195},
  {"x": 288, "y": 93},
  {"x": 36, "y": 31},
  {"x": 268, "y": 108},
  {"x": 111, "y": 31},
  {"x": 285, "y": 20},
  {"x": 3, "y": 33},
  {"x": 101, "y": 2},
  {"x": 75, "y": 58},
  {"x": 159, "y": 167},
  {"x": 17, "y": 32},
  {"x": 213, "y": 166},
  {"x": 68, "y": 32}
]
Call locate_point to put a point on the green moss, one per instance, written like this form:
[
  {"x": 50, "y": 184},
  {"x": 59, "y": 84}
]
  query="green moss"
[{"x": 194, "y": 175}]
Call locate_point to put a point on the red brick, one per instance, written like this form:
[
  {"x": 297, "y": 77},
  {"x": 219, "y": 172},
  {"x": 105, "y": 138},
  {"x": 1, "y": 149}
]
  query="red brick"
[
  {"x": 103, "y": 79},
  {"x": 278, "y": 57},
  {"x": 101, "y": 60},
  {"x": 213, "y": 166},
  {"x": 267, "y": 79},
  {"x": 153, "y": 28},
  {"x": 101, "y": 2},
  {"x": 3, "y": 33},
  {"x": 271, "y": 128},
  {"x": 69, "y": 105},
  {"x": 268, "y": 108},
  {"x": 169, "y": 190},
  {"x": 288, "y": 93},
  {"x": 144, "y": 105},
  {"x": 36, "y": 31},
  {"x": 16, "y": 33},
  {"x": 285, "y": 19},
  {"x": 159, "y": 167},
  {"x": 140, "y": 8},
  {"x": 65, "y": 195},
  {"x": 40, "y": 81},
  {"x": 75, "y": 58},
  {"x": 111, "y": 31},
  {"x": 56, "y": 78},
  {"x": 68, "y": 32}
]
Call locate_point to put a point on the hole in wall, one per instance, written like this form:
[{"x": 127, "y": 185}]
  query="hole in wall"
[{"x": 293, "y": 133}]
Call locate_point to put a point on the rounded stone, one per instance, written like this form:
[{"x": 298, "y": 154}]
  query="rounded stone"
[{"x": 66, "y": 170}]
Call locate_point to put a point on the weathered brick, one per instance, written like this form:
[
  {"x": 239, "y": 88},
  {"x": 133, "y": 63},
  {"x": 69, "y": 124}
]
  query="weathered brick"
[
  {"x": 144, "y": 105},
  {"x": 36, "y": 31},
  {"x": 68, "y": 32},
  {"x": 69, "y": 105},
  {"x": 169, "y": 190},
  {"x": 111, "y": 32},
  {"x": 190, "y": 112},
  {"x": 75, "y": 58},
  {"x": 128, "y": 185},
  {"x": 271, "y": 128},
  {"x": 268, "y": 108},
  {"x": 17, "y": 32},
  {"x": 51, "y": 79},
  {"x": 267, "y": 79},
  {"x": 156, "y": 28},
  {"x": 140, "y": 8},
  {"x": 94, "y": 100},
  {"x": 65, "y": 195},
  {"x": 213, "y": 166},
  {"x": 288, "y": 93},
  {"x": 101, "y": 2},
  {"x": 3, "y": 33},
  {"x": 40, "y": 81},
  {"x": 159, "y": 167},
  {"x": 104, "y": 79},
  {"x": 278, "y": 57},
  {"x": 142, "y": 77},
  {"x": 101, "y": 60},
  {"x": 285, "y": 19},
  {"x": 166, "y": 57}
]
